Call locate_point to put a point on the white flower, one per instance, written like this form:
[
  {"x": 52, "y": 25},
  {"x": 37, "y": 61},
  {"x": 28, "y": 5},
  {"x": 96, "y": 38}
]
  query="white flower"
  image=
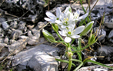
[
  {"x": 76, "y": 16},
  {"x": 51, "y": 17},
  {"x": 71, "y": 33},
  {"x": 66, "y": 20}
]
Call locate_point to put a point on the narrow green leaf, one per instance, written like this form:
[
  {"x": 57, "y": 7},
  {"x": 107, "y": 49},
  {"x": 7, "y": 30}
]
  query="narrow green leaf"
[
  {"x": 79, "y": 66},
  {"x": 79, "y": 48},
  {"x": 98, "y": 64},
  {"x": 92, "y": 39}
]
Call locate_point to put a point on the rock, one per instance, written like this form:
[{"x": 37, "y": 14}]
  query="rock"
[
  {"x": 100, "y": 69},
  {"x": 105, "y": 50},
  {"x": 2, "y": 45},
  {"x": 29, "y": 33},
  {"x": 5, "y": 25},
  {"x": 43, "y": 62},
  {"x": 108, "y": 21},
  {"x": 38, "y": 58},
  {"x": 11, "y": 41},
  {"x": 32, "y": 18},
  {"x": 1, "y": 35},
  {"x": 94, "y": 67},
  {"x": 101, "y": 33},
  {"x": 42, "y": 40},
  {"x": 1, "y": 30},
  {"x": 23, "y": 37},
  {"x": 1, "y": 40},
  {"x": 4, "y": 52},
  {"x": 110, "y": 34},
  {"x": 6, "y": 40},
  {"x": 30, "y": 26},
  {"x": 103, "y": 2},
  {"x": 41, "y": 24},
  {"x": 2, "y": 19},
  {"x": 95, "y": 15},
  {"x": 15, "y": 34},
  {"x": 36, "y": 32},
  {"x": 14, "y": 24},
  {"x": 17, "y": 46},
  {"x": 34, "y": 40},
  {"x": 40, "y": 2},
  {"x": 21, "y": 25}
]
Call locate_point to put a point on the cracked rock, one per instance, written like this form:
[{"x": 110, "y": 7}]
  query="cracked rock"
[{"x": 40, "y": 58}]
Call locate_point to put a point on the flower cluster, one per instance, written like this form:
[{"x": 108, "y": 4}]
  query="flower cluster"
[{"x": 66, "y": 22}]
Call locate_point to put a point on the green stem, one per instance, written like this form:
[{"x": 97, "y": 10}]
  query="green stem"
[
  {"x": 79, "y": 66},
  {"x": 70, "y": 64},
  {"x": 79, "y": 48},
  {"x": 69, "y": 55},
  {"x": 59, "y": 36}
]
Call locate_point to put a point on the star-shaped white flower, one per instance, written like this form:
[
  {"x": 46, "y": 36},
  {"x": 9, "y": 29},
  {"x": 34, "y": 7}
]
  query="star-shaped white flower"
[
  {"x": 77, "y": 14},
  {"x": 66, "y": 20},
  {"x": 71, "y": 33},
  {"x": 51, "y": 17}
]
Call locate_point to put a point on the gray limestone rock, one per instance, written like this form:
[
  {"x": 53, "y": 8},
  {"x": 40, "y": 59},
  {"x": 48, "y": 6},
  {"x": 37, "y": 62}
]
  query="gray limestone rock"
[
  {"x": 17, "y": 46},
  {"x": 21, "y": 25},
  {"x": 101, "y": 33},
  {"x": 2, "y": 45},
  {"x": 40, "y": 58},
  {"x": 5, "y": 25},
  {"x": 41, "y": 24},
  {"x": 6, "y": 40},
  {"x": 4, "y": 52},
  {"x": 16, "y": 33},
  {"x": 33, "y": 40},
  {"x": 1, "y": 40},
  {"x": 14, "y": 24},
  {"x": 110, "y": 34},
  {"x": 108, "y": 21},
  {"x": 105, "y": 50}
]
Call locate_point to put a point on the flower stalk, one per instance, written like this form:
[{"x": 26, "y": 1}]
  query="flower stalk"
[{"x": 69, "y": 54}]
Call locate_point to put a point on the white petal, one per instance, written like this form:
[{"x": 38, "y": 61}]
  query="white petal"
[
  {"x": 62, "y": 33},
  {"x": 67, "y": 9},
  {"x": 58, "y": 12},
  {"x": 50, "y": 15},
  {"x": 78, "y": 30},
  {"x": 62, "y": 26},
  {"x": 71, "y": 16},
  {"x": 77, "y": 13},
  {"x": 84, "y": 16},
  {"x": 50, "y": 20},
  {"x": 75, "y": 36},
  {"x": 71, "y": 24},
  {"x": 58, "y": 22},
  {"x": 47, "y": 19},
  {"x": 67, "y": 39}
]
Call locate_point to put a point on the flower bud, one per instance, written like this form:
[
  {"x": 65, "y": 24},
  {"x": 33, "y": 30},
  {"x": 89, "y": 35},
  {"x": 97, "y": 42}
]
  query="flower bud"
[
  {"x": 91, "y": 39},
  {"x": 87, "y": 28},
  {"x": 49, "y": 37},
  {"x": 55, "y": 27}
]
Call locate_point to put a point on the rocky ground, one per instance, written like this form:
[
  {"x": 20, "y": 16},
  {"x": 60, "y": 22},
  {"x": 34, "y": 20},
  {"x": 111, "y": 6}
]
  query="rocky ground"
[{"x": 23, "y": 47}]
